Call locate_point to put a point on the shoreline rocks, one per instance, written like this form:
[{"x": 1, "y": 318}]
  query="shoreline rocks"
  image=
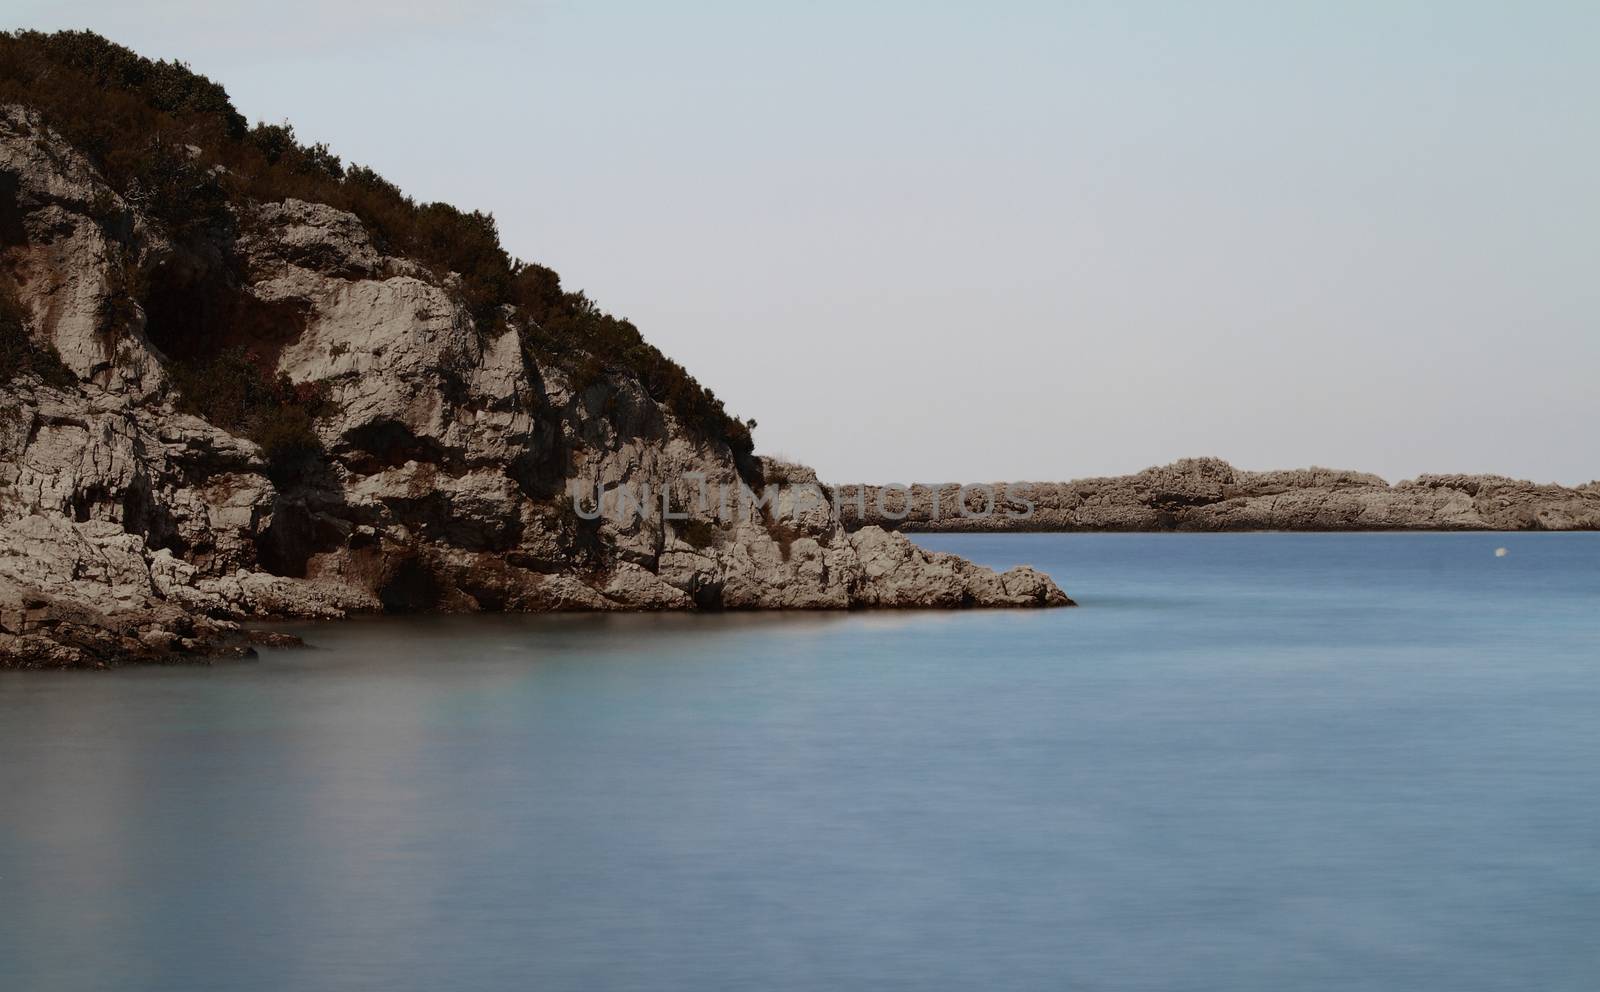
[
  {"x": 431, "y": 472},
  {"x": 1208, "y": 494}
]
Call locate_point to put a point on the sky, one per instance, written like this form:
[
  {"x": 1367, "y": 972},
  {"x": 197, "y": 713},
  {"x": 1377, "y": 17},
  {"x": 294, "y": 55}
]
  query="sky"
[{"x": 1019, "y": 241}]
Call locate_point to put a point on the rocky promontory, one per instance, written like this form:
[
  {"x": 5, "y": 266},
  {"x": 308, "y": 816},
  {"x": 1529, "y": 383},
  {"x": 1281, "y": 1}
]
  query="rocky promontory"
[
  {"x": 1208, "y": 494},
  {"x": 218, "y": 402}
]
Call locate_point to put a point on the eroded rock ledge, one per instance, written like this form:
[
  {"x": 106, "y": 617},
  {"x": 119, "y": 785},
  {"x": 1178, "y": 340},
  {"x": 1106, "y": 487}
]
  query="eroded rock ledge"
[
  {"x": 132, "y": 531},
  {"x": 1207, "y": 494}
]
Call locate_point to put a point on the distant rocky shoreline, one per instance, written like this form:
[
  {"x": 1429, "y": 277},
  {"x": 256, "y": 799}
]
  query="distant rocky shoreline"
[{"x": 1208, "y": 494}]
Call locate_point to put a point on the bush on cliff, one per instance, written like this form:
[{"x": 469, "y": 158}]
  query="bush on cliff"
[{"x": 231, "y": 391}]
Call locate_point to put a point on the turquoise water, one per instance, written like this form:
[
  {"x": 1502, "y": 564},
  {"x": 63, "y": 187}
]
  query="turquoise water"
[{"x": 1248, "y": 762}]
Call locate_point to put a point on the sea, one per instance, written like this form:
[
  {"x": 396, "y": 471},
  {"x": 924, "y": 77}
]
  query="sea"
[{"x": 1244, "y": 762}]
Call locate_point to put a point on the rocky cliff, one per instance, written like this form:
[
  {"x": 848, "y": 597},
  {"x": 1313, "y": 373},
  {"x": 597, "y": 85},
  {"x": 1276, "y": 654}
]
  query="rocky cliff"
[
  {"x": 373, "y": 439},
  {"x": 1207, "y": 494}
]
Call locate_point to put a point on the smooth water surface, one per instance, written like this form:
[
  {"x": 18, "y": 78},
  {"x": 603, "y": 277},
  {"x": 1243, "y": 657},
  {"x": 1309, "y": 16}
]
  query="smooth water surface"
[{"x": 1248, "y": 762}]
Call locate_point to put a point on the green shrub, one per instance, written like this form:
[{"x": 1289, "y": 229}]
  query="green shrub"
[
  {"x": 166, "y": 86},
  {"x": 234, "y": 393},
  {"x": 169, "y": 181}
]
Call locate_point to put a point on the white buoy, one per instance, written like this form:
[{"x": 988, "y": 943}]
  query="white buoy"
[{"x": 1500, "y": 552}]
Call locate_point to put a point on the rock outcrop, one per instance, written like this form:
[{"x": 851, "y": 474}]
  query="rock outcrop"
[
  {"x": 445, "y": 454},
  {"x": 1207, "y": 494}
]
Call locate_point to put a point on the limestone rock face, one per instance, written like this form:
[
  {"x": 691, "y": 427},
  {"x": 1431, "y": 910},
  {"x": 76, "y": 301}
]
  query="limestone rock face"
[
  {"x": 1207, "y": 494},
  {"x": 449, "y": 452},
  {"x": 76, "y": 250}
]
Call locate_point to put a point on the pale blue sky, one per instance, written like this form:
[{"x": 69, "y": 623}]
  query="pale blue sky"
[{"x": 939, "y": 241}]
